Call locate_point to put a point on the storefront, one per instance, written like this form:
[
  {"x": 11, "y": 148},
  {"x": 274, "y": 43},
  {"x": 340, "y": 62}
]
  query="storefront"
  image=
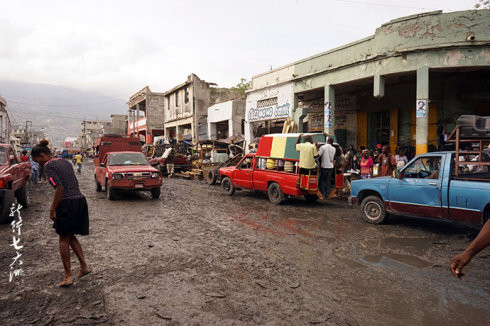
[{"x": 267, "y": 110}]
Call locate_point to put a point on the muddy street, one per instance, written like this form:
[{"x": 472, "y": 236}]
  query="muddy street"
[{"x": 197, "y": 256}]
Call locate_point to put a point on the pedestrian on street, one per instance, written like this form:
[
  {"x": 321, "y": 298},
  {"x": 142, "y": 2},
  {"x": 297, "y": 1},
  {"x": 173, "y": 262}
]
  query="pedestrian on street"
[
  {"x": 366, "y": 165},
  {"x": 481, "y": 241},
  {"x": 69, "y": 209},
  {"x": 401, "y": 158},
  {"x": 386, "y": 162},
  {"x": 326, "y": 154},
  {"x": 34, "y": 170},
  {"x": 78, "y": 160},
  {"x": 170, "y": 163},
  {"x": 24, "y": 157}
]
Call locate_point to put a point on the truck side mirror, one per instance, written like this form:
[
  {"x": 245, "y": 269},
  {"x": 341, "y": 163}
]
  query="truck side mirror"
[{"x": 102, "y": 165}]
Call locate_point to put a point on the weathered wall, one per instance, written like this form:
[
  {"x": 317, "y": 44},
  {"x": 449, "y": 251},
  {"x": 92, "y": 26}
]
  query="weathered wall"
[
  {"x": 434, "y": 40},
  {"x": 283, "y": 109}
]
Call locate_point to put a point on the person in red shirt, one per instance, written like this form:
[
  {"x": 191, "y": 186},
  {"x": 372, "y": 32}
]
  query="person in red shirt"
[
  {"x": 387, "y": 162},
  {"x": 24, "y": 157}
]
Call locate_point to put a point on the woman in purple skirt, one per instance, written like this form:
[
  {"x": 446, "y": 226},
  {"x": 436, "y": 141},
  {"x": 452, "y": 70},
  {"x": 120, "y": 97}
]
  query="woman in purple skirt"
[{"x": 69, "y": 209}]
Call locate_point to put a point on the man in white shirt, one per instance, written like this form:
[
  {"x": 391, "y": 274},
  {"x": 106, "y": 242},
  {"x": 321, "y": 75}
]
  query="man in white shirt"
[{"x": 327, "y": 154}]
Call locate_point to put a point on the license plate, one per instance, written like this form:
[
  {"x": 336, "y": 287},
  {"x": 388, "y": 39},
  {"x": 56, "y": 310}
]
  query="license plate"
[{"x": 138, "y": 185}]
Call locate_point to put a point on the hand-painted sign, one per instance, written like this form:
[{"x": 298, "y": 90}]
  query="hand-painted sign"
[
  {"x": 270, "y": 112},
  {"x": 315, "y": 122}
]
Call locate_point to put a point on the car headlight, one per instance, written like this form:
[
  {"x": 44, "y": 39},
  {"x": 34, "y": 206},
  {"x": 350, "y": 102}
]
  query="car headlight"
[
  {"x": 117, "y": 176},
  {"x": 155, "y": 175}
]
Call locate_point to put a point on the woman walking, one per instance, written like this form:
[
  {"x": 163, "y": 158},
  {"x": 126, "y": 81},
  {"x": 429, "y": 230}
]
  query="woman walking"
[{"x": 68, "y": 210}]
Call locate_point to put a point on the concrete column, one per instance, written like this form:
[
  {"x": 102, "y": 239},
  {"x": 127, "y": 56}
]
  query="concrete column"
[
  {"x": 231, "y": 130},
  {"x": 422, "y": 110},
  {"x": 379, "y": 86},
  {"x": 329, "y": 110}
]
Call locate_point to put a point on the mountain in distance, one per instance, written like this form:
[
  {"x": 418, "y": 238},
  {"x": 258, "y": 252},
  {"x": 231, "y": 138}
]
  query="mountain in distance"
[{"x": 58, "y": 110}]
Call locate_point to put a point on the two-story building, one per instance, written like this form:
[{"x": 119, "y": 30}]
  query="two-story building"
[
  {"x": 4, "y": 122},
  {"x": 146, "y": 115},
  {"x": 186, "y": 107},
  {"x": 403, "y": 86}
]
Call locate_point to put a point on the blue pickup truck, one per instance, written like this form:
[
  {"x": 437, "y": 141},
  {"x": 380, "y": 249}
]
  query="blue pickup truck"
[{"x": 428, "y": 186}]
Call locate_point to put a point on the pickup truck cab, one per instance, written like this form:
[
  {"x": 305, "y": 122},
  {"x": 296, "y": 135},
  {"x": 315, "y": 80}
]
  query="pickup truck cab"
[
  {"x": 426, "y": 187},
  {"x": 121, "y": 165},
  {"x": 14, "y": 179},
  {"x": 127, "y": 171},
  {"x": 272, "y": 169}
]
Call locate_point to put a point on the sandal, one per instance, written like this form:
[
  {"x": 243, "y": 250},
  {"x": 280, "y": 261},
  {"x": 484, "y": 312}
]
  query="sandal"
[
  {"x": 83, "y": 273},
  {"x": 65, "y": 283}
]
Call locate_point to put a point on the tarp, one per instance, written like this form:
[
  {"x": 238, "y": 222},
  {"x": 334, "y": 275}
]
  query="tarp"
[{"x": 281, "y": 146}]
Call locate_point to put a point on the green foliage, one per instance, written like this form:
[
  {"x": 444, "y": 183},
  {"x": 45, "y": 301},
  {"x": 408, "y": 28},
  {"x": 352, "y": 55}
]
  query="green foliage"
[
  {"x": 482, "y": 4},
  {"x": 242, "y": 86}
]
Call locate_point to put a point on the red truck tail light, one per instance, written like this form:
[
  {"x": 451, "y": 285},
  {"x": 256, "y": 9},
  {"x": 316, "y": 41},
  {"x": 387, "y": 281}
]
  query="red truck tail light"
[{"x": 3, "y": 183}]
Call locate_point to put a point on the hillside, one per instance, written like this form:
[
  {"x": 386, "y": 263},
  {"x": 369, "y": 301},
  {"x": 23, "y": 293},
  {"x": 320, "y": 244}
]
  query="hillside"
[{"x": 59, "y": 110}]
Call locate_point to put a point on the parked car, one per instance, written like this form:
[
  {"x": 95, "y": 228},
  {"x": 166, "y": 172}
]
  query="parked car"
[
  {"x": 131, "y": 171},
  {"x": 14, "y": 180},
  {"x": 272, "y": 169},
  {"x": 428, "y": 186}
]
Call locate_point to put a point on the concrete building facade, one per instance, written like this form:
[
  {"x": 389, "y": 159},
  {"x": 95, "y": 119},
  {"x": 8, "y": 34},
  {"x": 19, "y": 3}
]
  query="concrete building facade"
[
  {"x": 4, "y": 122},
  {"x": 119, "y": 125},
  {"x": 91, "y": 131},
  {"x": 186, "y": 107},
  {"x": 146, "y": 115},
  {"x": 405, "y": 85},
  {"x": 226, "y": 119}
]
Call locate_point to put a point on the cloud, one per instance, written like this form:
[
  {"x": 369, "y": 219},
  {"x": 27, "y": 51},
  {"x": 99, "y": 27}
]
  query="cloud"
[{"x": 120, "y": 46}]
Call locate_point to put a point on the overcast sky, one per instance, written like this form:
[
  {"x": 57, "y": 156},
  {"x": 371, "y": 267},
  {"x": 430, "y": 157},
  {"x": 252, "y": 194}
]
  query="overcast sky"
[{"x": 118, "y": 47}]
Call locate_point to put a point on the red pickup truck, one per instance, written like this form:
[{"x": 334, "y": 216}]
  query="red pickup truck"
[
  {"x": 272, "y": 169},
  {"x": 158, "y": 160},
  {"x": 120, "y": 165},
  {"x": 14, "y": 179}
]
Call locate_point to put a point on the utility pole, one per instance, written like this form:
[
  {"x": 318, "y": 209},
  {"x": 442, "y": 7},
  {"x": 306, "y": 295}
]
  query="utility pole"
[{"x": 28, "y": 124}]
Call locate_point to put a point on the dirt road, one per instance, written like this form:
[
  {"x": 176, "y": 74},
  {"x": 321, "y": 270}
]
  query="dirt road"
[{"x": 198, "y": 257}]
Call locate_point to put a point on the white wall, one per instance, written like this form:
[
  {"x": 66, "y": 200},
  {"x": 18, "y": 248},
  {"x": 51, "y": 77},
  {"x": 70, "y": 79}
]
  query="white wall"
[{"x": 285, "y": 97}]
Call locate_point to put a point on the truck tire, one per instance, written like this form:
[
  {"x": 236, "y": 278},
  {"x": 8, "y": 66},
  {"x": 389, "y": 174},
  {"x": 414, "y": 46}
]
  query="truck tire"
[
  {"x": 110, "y": 192},
  {"x": 276, "y": 196},
  {"x": 211, "y": 177},
  {"x": 373, "y": 210},
  {"x": 227, "y": 186},
  {"x": 311, "y": 198},
  {"x": 98, "y": 186},
  {"x": 5, "y": 207},
  {"x": 23, "y": 196},
  {"x": 155, "y": 193}
]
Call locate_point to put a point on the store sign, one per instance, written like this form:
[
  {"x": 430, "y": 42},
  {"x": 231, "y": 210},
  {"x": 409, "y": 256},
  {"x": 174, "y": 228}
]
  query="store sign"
[
  {"x": 270, "y": 112},
  {"x": 315, "y": 121}
]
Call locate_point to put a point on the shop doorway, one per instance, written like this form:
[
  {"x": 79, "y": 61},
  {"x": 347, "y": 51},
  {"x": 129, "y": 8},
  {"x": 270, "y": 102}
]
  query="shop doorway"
[{"x": 379, "y": 128}]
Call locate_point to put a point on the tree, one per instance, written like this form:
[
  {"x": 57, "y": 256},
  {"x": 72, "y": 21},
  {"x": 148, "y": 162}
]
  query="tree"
[
  {"x": 482, "y": 4},
  {"x": 242, "y": 86}
]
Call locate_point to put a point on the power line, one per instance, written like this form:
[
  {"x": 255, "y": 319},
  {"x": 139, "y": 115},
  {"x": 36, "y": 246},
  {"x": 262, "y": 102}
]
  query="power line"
[{"x": 384, "y": 4}]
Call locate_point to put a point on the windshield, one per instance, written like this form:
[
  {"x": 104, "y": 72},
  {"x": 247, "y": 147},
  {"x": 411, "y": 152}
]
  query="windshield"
[
  {"x": 3, "y": 156},
  {"x": 127, "y": 159}
]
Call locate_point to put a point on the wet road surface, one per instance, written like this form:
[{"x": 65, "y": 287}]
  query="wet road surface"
[{"x": 199, "y": 257}]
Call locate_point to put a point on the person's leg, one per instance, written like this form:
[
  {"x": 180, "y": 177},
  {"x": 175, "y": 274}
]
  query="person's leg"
[
  {"x": 65, "y": 258},
  {"x": 328, "y": 181},
  {"x": 34, "y": 177},
  {"x": 77, "y": 249}
]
